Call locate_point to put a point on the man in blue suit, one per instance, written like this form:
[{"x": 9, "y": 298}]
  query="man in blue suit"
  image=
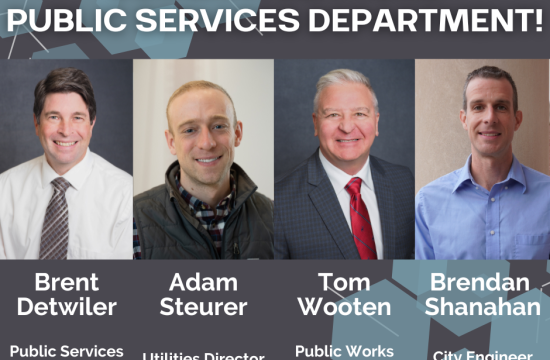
[{"x": 342, "y": 203}]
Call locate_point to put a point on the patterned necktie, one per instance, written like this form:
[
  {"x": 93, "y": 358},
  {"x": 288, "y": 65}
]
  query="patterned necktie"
[
  {"x": 55, "y": 231},
  {"x": 360, "y": 221}
]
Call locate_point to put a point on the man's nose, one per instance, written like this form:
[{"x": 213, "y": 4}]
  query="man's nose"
[
  {"x": 206, "y": 140},
  {"x": 346, "y": 124},
  {"x": 65, "y": 128},
  {"x": 490, "y": 116}
]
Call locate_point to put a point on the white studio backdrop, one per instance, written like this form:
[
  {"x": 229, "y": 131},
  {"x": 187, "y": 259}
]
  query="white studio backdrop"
[{"x": 250, "y": 85}]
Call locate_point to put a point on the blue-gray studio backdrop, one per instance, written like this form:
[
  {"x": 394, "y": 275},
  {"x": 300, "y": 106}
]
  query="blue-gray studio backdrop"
[
  {"x": 112, "y": 81},
  {"x": 295, "y": 80}
]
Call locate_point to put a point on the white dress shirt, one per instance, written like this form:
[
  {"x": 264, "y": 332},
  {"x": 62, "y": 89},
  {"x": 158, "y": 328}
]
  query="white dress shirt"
[
  {"x": 99, "y": 202},
  {"x": 339, "y": 179}
]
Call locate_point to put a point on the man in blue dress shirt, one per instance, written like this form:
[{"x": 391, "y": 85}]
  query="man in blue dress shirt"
[{"x": 494, "y": 207}]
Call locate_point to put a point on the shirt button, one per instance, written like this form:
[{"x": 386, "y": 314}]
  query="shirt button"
[
  {"x": 492, "y": 232},
  {"x": 477, "y": 188},
  {"x": 506, "y": 188},
  {"x": 493, "y": 199}
]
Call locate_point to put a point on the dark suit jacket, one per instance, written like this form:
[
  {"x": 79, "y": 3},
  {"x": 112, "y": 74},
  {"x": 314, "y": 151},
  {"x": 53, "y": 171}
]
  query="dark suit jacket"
[{"x": 309, "y": 223}]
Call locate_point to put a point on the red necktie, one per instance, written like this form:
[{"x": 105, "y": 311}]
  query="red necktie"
[{"x": 360, "y": 222}]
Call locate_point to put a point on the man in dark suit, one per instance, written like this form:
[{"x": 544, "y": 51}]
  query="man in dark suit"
[{"x": 342, "y": 203}]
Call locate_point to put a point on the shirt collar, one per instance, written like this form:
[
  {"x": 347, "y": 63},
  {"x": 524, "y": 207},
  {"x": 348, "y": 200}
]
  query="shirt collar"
[
  {"x": 76, "y": 176},
  {"x": 515, "y": 173},
  {"x": 196, "y": 204},
  {"x": 339, "y": 179}
]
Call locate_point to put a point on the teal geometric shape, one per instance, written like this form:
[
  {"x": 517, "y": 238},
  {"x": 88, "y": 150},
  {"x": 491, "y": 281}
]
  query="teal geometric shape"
[
  {"x": 108, "y": 3},
  {"x": 523, "y": 334},
  {"x": 415, "y": 275},
  {"x": 480, "y": 293},
  {"x": 406, "y": 330},
  {"x": 17, "y": 4},
  {"x": 71, "y": 51},
  {"x": 462, "y": 324},
  {"x": 122, "y": 41},
  {"x": 212, "y": 6},
  {"x": 165, "y": 45},
  {"x": 460, "y": 354}
]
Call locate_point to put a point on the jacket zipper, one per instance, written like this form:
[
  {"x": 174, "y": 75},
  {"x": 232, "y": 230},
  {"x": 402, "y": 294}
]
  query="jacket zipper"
[{"x": 213, "y": 251}]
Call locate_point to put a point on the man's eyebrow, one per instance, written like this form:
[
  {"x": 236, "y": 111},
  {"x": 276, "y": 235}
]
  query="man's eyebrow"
[
  {"x": 55, "y": 112},
  {"x": 194, "y": 121},
  {"x": 52, "y": 112},
  {"x": 361, "y": 108},
  {"x": 498, "y": 101},
  {"x": 186, "y": 123},
  {"x": 326, "y": 110}
]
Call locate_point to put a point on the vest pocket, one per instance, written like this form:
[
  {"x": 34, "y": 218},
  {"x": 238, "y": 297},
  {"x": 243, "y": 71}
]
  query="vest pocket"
[{"x": 532, "y": 247}]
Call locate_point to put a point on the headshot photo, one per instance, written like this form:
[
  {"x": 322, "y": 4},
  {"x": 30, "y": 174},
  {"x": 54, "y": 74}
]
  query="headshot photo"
[
  {"x": 482, "y": 159},
  {"x": 344, "y": 159},
  {"x": 203, "y": 159},
  {"x": 66, "y": 160}
]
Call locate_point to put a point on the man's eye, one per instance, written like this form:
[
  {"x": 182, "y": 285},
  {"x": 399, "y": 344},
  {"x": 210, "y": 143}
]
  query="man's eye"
[
  {"x": 501, "y": 107},
  {"x": 477, "y": 107},
  {"x": 54, "y": 117},
  {"x": 219, "y": 127},
  {"x": 188, "y": 131},
  {"x": 360, "y": 114},
  {"x": 332, "y": 115}
]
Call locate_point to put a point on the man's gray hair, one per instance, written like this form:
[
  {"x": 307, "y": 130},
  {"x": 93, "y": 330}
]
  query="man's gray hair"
[{"x": 342, "y": 76}]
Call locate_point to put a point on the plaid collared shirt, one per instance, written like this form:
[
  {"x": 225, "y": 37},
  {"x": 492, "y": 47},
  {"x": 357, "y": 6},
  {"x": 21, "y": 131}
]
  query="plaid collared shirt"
[{"x": 213, "y": 220}]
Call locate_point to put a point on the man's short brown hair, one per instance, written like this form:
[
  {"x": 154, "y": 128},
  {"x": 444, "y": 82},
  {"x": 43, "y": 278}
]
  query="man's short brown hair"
[
  {"x": 198, "y": 85},
  {"x": 490, "y": 72},
  {"x": 64, "y": 80}
]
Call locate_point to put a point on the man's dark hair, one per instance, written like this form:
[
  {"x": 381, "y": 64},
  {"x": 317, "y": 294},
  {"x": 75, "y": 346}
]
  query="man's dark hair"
[
  {"x": 64, "y": 80},
  {"x": 490, "y": 72}
]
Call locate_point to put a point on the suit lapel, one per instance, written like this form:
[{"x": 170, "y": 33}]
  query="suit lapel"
[
  {"x": 384, "y": 198},
  {"x": 325, "y": 201}
]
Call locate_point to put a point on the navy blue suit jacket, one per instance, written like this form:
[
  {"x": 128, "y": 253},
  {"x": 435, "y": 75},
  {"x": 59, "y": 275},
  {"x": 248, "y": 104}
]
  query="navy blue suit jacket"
[{"x": 309, "y": 223}]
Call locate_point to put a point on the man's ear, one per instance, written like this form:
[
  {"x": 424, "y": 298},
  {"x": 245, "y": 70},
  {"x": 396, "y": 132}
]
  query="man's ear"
[
  {"x": 377, "y": 118},
  {"x": 315, "y": 123},
  {"x": 238, "y": 133},
  {"x": 519, "y": 119},
  {"x": 93, "y": 124},
  {"x": 36, "y": 124},
  {"x": 170, "y": 141},
  {"x": 463, "y": 119}
]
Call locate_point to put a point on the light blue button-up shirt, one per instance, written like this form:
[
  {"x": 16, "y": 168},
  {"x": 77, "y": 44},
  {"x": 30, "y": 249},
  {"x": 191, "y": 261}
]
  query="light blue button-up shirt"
[{"x": 458, "y": 219}]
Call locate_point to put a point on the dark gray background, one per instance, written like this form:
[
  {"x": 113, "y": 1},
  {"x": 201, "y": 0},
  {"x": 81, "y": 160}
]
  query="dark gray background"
[
  {"x": 272, "y": 324},
  {"x": 112, "y": 83},
  {"x": 393, "y": 83},
  {"x": 302, "y": 44}
]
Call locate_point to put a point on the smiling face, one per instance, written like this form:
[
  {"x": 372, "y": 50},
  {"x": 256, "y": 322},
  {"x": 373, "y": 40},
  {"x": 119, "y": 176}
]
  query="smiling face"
[
  {"x": 64, "y": 130},
  {"x": 490, "y": 118},
  {"x": 346, "y": 123},
  {"x": 203, "y": 135}
]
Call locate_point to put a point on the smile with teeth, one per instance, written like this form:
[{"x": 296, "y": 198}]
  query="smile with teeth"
[
  {"x": 490, "y": 134},
  {"x": 60, "y": 143},
  {"x": 350, "y": 140},
  {"x": 208, "y": 160}
]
